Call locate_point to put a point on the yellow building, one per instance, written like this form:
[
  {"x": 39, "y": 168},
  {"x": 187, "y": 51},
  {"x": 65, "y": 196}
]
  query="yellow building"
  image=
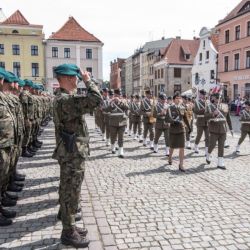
[{"x": 22, "y": 48}]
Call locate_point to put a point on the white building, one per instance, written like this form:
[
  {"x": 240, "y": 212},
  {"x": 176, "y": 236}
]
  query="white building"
[
  {"x": 73, "y": 44},
  {"x": 204, "y": 70},
  {"x": 2, "y": 16}
]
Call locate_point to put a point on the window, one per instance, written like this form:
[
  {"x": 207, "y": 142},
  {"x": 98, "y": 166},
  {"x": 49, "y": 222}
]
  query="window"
[
  {"x": 226, "y": 63},
  {"x": 212, "y": 75},
  {"x": 1, "y": 49},
  {"x": 200, "y": 57},
  {"x": 161, "y": 73},
  {"x": 236, "y": 91},
  {"x": 2, "y": 65},
  {"x": 16, "y": 49},
  {"x": 89, "y": 69},
  {"x": 227, "y": 38},
  {"x": 17, "y": 68},
  {"x": 248, "y": 59},
  {"x": 187, "y": 56},
  {"x": 207, "y": 55},
  {"x": 248, "y": 28},
  {"x": 247, "y": 90},
  {"x": 34, "y": 50},
  {"x": 204, "y": 44},
  {"x": 159, "y": 76},
  {"x": 237, "y": 32},
  {"x": 66, "y": 52},
  {"x": 35, "y": 69},
  {"x": 237, "y": 61},
  {"x": 156, "y": 74},
  {"x": 177, "y": 88},
  {"x": 54, "y": 52},
  {"x": 197, "y": 78},
  {"x": 89, "y": 53},
  {"x": 177, "y": 72}
]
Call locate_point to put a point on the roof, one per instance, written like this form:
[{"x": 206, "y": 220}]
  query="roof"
[
  {"x": 158, "y": 44},
  {"x": 242, "y": 8},
  {"x": 174, "y": 53},
  {"x": 73, "y": 31},
  {"x": 17, "y": 18}
]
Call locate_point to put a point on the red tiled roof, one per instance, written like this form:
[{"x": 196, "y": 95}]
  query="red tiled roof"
[
  {"x": 235, "y": 12},
  {"x": 175, "y": 51},
  {"x": 73, "y": 31},
  {"x": 16, "y": 18}
]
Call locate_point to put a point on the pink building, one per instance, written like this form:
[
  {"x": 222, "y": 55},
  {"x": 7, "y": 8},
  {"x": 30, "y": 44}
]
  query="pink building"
[
  {"x": 115, "y": 73},
  {"x": 234, "y": 51}
]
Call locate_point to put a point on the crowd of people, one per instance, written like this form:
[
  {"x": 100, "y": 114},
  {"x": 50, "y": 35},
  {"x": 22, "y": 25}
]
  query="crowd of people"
[
  {"x": 24, "y": 108},
  {"x": 173, "y": 117}
]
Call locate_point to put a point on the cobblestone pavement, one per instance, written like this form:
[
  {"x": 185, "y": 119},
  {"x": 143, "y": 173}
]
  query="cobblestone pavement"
[{"x": 138, "y": 202}]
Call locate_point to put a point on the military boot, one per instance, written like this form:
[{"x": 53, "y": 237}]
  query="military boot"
[
  {"x": 82, "y": 231},
  {"x": 11, "y": 196},
  {"x": 26, "y": 153},
  {"x": 36, "y": 144},
  {"x": 14, "y": 188},
  {"x": 18, "y": 177},
  {"x": 71, "y": 237},
  {"x": 4, "y": 221},
  {"x": 6, "y": 213},
  {"x": 7, "y": 202}
]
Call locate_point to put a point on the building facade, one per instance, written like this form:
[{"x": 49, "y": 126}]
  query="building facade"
[
  {"x": 73, "y": 44},
  {"x": 129, "y": 76},
  {"x": 22, "y": 48},
  {"x": 173, "y": 70},
  {"x": 234, "y": 51},
  {"x": 115, "y": 73},
  {"x": 204, "y": 70},
  {"x": 136, "y": 72}
]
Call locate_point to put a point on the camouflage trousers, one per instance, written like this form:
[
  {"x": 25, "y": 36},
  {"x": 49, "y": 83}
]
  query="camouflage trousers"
[
  {"x": 5, "y": 158},
  {"x": 28, "y": 130},
  {"x": 71, "y": 178}
]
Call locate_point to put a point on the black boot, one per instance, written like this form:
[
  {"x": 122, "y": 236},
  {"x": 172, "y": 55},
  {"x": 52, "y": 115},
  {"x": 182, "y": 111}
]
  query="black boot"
[
  {"x": 82, "y": 231},
  {"x": 36, "y": 145},
  {"x": 4, "y": 221},
  {"x": 11, "y": 196},
  {"x": 7, "y": 202},
  {"x": 26, "y": 153},
  {"x": 18, "y": 177},
  {"x": 39, "y": 142},
  {"x": 14, "y": 188},
  {"x": 19, "y": 184},
  {"x": 71, "y": 237},
  {"x": 32, "y": 150},
  {"x": 8, "y": 214}
]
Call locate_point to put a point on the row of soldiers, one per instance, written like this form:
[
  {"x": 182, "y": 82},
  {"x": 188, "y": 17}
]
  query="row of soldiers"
[
  {"x": 24, "y": 107},
  {"x": 168, "y": 116}
]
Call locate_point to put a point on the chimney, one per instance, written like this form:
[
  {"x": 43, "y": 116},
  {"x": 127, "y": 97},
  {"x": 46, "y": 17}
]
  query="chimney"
[
  {"x": 163, "y": 38},
  {"x": 178, "y": 37}
]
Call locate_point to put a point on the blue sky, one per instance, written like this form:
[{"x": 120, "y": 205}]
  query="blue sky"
[{"x": 124, "y": 26}]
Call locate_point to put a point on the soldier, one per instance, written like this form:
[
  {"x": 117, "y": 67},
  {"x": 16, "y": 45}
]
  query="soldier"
[
  {"x": 72, "y": 142},
  {"x": 201, "y": 122},
  {"x": 7, "y": 139},
  {"x": 218, "y": 117},
  {"x": 130, "y": 118},
  {"x": 136, "y": 118},
  {"x": 187, "y": 103},
  {"x": 245, "y": 125},
  {"x": 117, "y": 121},
  {"x": 147, "y": 107},
  {"x": 177, "y": 117},
  {"x": 161, "y": 126}
]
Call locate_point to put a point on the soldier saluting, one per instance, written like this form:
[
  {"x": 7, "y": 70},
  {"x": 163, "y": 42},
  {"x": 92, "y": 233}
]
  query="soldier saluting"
[
  {"x": 72, "y": 142},
  {"x": 245, "y": 125},
  {"x": 218, "y": 117}
]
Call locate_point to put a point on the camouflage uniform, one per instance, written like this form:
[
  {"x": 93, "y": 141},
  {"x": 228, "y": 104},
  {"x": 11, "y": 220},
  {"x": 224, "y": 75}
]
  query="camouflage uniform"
[{"x": 69, "y": 119}]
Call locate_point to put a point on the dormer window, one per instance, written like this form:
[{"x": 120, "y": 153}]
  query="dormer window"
[
  {"x": 15, "y": 32},
  {"x": 187, "y": 57}
]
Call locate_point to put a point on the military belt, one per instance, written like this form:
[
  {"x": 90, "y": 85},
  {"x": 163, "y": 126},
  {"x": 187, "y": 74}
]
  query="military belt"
[
  {"x": 116, "y": 114},
  {"x": 245, "y": 122},
  {"x": 218, "y": 119},
  {"x": 200, "y": 115}
]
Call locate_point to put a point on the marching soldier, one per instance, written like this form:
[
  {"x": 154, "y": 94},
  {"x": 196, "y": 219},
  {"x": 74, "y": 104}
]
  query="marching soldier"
[
  {"x": 117, "y": 121},
  {"x": 136, "y": 117},
  {"x": 72, "y": 142},
  {"x": 201, "y": 122},
  {"x": 161, "y": 126},
  {"x": 130, "y": 118},
  {"x": 187, "y": 103},
  {"x": 218, "y": 117},
  {"x": 177, "y": 117},
  {"x": 147, "y": 107},
  {"x": 245, "y": 125}
]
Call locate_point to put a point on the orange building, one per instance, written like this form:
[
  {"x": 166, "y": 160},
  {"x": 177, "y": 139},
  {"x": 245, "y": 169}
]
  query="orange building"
[{"x": 115, "y": 73}]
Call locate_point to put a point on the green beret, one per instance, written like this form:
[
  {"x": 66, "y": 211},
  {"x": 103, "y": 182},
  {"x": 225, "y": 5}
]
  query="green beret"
[
  {"x": 21, "y": 83},
  {"x": 8, "y": 76},
  {"x": 28, "y": 83},
  {"x": 68, "y": 70}
]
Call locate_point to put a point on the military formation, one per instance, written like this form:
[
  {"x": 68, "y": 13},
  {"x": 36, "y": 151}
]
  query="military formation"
[
  {"x": 146, "y": 119},
  {"x": 24, "y": 108}
]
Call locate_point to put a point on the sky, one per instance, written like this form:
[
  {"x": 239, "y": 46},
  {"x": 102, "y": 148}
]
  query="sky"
[{"x": 124, "y": 26}]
